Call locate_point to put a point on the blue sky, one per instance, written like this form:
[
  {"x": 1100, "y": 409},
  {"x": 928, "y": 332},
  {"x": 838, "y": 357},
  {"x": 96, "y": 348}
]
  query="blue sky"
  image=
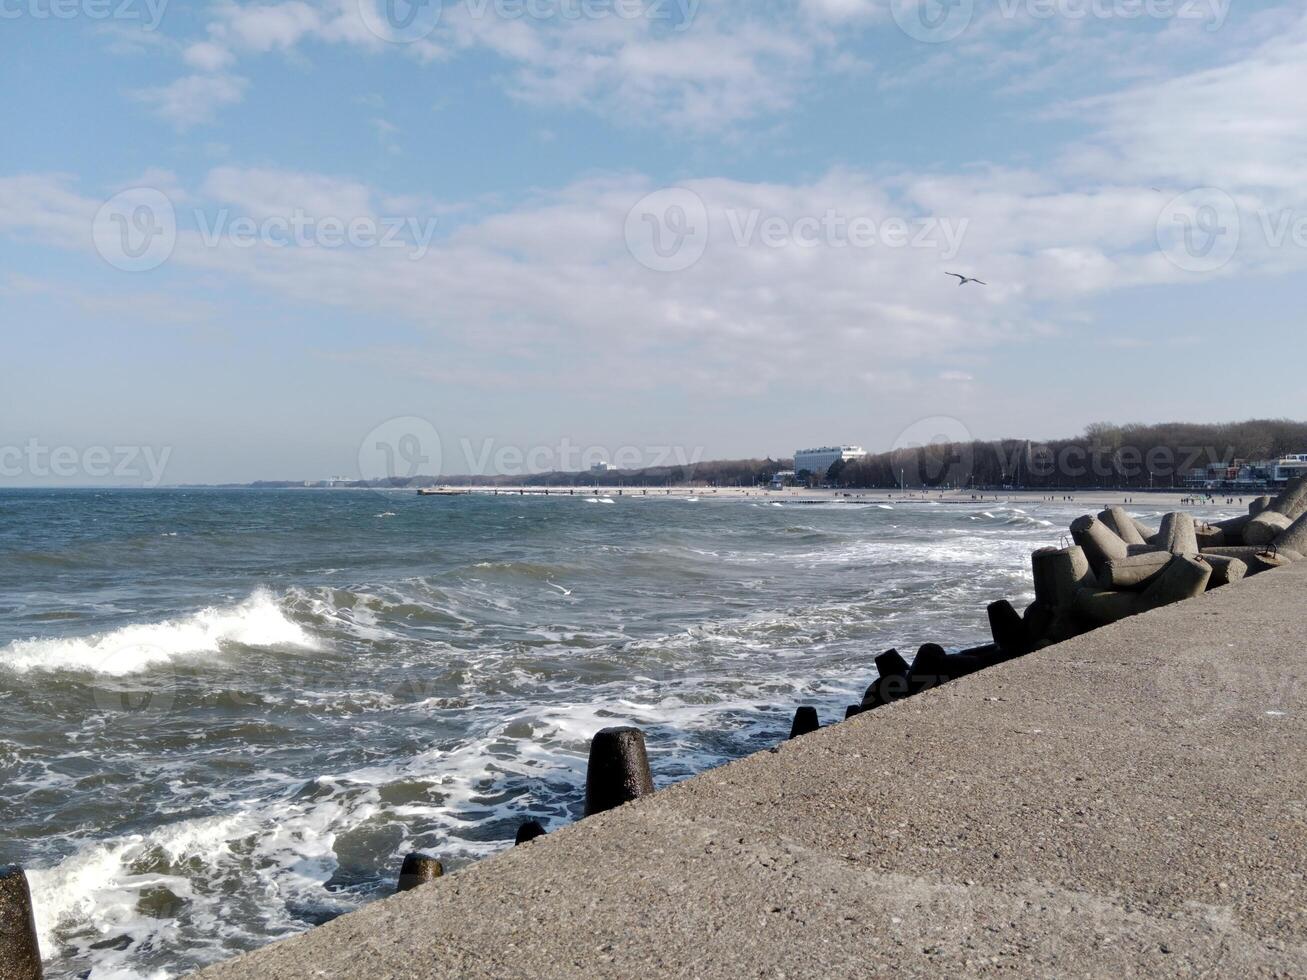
[{"x": 264, "y": 238}]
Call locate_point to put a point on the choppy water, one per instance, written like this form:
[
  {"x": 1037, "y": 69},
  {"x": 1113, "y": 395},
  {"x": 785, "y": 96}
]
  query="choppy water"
[{"x": 226, "y": 715}]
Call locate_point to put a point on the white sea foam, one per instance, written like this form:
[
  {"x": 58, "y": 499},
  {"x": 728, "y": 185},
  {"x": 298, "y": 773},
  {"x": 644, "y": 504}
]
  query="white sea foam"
[
  {"x": 282, "y": 849},
  {"x": 258, "y": 621}
]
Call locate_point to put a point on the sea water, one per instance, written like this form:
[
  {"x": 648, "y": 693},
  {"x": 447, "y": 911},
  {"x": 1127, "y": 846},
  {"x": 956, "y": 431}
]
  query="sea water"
[{"x": 225, "y": 716}]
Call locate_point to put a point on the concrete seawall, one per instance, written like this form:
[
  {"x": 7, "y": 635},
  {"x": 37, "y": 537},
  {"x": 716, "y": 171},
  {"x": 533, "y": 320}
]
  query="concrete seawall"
[{"x": 1132, "y": 801}]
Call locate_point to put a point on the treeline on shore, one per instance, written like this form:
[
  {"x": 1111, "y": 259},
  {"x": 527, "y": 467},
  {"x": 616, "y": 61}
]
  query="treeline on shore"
[{"x": 1104, "y": 455}]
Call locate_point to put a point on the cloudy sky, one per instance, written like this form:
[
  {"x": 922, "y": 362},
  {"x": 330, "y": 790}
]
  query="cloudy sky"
[{"x": 298, "y": 239}]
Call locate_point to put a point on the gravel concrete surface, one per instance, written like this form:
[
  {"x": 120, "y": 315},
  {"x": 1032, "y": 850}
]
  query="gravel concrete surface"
[{"x": 1128, "y": 803}]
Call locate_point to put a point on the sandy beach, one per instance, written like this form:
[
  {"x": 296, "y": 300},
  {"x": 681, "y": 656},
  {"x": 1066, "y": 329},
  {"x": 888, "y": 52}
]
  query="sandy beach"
[{"x": 1090, "y": 499}]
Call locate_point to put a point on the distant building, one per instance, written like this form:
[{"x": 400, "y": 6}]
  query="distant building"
[
  {"x": 1288, "y": 468},
  {"x": 602, "y": 468},
  {"x": 785, "y": 478},
  {"x": 1241, "y": 475},
  {"x": 818, "y": 461}
]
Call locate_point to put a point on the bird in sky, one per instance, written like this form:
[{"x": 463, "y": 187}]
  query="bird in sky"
[{"x": 963, "y": 280}]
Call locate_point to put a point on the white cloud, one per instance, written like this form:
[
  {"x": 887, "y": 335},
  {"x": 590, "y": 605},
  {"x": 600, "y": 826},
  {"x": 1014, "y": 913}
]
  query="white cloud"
[
  {"x": 840, "y": 11},
  {"x": 262, "y": 193},
  {"x": 264, "y": 27},
  {"x": 1236, "y": 126},
  {"x": 729, "y": 63},
  {"x": 208, "y": 56},
  {"x": 554, "y": 275},
  {"x": 193, "y": 99}
]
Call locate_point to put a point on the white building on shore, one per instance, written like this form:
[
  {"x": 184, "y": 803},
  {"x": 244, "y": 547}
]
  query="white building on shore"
[
  {"x": 818, "y": 461},
  {"x": 1241, "y": 474}
]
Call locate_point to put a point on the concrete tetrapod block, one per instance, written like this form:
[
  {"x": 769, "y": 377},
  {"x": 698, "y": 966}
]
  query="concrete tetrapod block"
[
  {"x": 20, "y": 953},
  {"x": 1038, "y": 619},
  {"x": 1185, "y": 578},
  {"x": 1266, "y": 527},
  {"x": 1122, "y": 524},
  {"x": 1145, "y": 532},
  {"x": 1232, "y": 529},
  {"x": 1102, "y": 607},
  {"x": 1135, "y": 572},
  {"x": 805, "y": 721},
  {"x": 1292, "y": 502},
  {"x": 1059, "y": 574},
  {"x": 1225, "y": 571},
  {"x": 529, "y": 831},
  {"x": 933, "y": 666},
  {"x": 987, "y": 654},
  {"x": 1260, "y": 504},
  {"x": 891, "y": 684},
  {"x": 1209, "y": 536},
  {"x": 1100, "y": 543},
  {"x": 891, "y": 662},
  {"x": 1294, "y": 538},
  {"x": 418, "y": 869},
  {"x": 1008, "y": 629},
  {"x": 618, "y": 771},
  {"x": 1258, "y": 560},
  {"x": 1177, "y": 534},
  {"x": 929, "y": 668}
]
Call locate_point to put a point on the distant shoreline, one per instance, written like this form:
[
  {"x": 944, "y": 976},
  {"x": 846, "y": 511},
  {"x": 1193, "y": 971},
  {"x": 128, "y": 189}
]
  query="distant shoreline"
[
  {"x": 1095, "y": 498},
  {"x": 1091, "y": 498}
]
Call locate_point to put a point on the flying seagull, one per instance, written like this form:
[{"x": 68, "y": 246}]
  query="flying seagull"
[
  {"x": 561, "y": 589},
  {"x": 963, "y": 280}
]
